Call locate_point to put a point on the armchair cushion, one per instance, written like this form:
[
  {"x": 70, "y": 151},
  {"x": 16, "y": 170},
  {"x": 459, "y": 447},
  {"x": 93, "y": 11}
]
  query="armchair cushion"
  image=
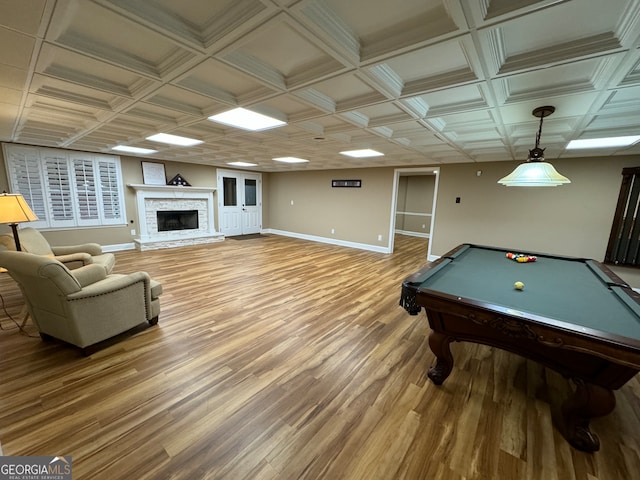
[
  {"x": 73, "y": 256},
  {"x": 89, "y": 274}
]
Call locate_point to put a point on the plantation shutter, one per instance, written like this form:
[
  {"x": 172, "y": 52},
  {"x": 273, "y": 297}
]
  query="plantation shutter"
[
  {"x": 86, "y": 193},
  {"x": 58, "y": 184},
  {"x": 25, "y": 169},
  {"x": 111, "y": 199},
  {"x": 624, "y": 240}
]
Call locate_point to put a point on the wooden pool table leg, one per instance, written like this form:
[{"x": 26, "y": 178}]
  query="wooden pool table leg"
[
  {"x": 588, "y": 401},
  {"x": 439, "y": 345}
]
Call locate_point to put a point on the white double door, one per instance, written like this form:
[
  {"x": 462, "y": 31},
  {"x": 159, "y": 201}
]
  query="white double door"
[{"x": 239, "y": 202}]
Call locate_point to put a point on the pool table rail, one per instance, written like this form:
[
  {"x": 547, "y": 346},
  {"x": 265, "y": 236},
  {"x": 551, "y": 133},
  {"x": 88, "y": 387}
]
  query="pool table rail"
[{"x": 573, "y": 351}]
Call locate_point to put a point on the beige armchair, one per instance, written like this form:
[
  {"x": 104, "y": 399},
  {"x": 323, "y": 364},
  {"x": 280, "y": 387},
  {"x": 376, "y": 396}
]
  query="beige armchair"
[
  {"x": 74, "y": 256},
  {"x": 83, "y": 306}
]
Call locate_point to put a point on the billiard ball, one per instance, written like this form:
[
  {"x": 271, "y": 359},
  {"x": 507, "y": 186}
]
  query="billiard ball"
[{"x": 518, "y": 285}]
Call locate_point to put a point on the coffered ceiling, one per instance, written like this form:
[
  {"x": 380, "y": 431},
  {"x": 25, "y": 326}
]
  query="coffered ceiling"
[{"x": 425, "y": 82}]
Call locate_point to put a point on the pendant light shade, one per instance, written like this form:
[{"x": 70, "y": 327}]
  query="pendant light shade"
[{"x": 536, "y": 172}]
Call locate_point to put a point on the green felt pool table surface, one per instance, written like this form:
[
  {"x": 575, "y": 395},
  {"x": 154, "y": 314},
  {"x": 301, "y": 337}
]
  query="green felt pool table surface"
[{"x": 568, "y": 290}]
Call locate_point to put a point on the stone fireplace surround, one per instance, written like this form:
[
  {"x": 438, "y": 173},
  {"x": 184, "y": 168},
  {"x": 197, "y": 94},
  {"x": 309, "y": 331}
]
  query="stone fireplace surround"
[{"x": 152, "y": 198}]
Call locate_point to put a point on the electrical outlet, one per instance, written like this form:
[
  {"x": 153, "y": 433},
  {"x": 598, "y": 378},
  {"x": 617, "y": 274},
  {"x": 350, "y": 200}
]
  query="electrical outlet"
[
  {"x": 133, "y": 231},
  {"x": 333, "y": 230},
  {"x": 379, "y": 238}
]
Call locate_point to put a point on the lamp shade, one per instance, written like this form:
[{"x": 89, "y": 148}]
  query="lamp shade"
[
  {"x": 534, "y": 174},
  {"x": 15, "y": 209}
]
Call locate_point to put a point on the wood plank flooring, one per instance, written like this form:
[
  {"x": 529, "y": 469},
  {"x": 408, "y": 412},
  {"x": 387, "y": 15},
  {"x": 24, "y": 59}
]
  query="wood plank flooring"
[{"x": 278, "y": 358}]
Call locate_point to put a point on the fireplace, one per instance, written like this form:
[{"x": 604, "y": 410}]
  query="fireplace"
[
  {"x": 171, "y": 216},
  {"x": 169, "y": 220}
]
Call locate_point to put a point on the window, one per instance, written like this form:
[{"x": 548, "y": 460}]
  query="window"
[
  {"x": 65, "y": 188},
  {"x": 230, "y": 192},
  {"x": 250, "y": 189}
]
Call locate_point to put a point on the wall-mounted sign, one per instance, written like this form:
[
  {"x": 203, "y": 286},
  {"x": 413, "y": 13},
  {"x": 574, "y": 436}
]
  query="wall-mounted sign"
[{"x": 346, "y": 183}]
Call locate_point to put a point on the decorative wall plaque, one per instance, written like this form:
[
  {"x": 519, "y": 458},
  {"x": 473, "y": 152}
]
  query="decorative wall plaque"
[{"x": 346, "y": 183}]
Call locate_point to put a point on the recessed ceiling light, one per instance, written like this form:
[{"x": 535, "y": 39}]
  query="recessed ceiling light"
[
  {"x": 367, "y": 152},
  {"x": 246, "y": 119},
  {"x": 174, "y": 140},
  {"x": 242, "y": 164},
  {"x": 290, "y": 160},
  {"x": 603, "y": 142},
  {"x": 125, "y": 148}
]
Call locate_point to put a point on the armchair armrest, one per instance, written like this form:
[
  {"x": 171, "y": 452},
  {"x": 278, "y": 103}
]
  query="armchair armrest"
[
  {"x": 90, "y": 248},
  {"x": 70, "y": 258},
  {"x": 112, "y": 283},
  {"x": 108, "y": 284},
  {"x": 121, "y": 284}
]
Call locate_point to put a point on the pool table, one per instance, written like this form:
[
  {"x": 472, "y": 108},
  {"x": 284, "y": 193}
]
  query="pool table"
[{"x": 573, "y": 315}]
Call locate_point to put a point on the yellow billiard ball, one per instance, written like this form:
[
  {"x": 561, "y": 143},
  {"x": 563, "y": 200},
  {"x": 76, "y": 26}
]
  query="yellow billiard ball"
[{"x": 518, "y": 285}]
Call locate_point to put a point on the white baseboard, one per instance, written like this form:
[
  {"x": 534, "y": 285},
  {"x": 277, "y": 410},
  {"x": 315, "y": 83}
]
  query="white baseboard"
[
  {"x": 413, "y": 234},
  {"x": 332, "y": 241},
  {"x": 302, "y": 236},
  {"x": 119, "y": 247}
]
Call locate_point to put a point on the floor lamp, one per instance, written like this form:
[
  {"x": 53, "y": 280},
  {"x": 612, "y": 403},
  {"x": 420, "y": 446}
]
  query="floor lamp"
[{"x": 14, "y": 209}]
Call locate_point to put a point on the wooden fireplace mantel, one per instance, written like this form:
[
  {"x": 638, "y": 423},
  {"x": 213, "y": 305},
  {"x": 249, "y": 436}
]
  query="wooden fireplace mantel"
[{"x": 169, "y": 188}]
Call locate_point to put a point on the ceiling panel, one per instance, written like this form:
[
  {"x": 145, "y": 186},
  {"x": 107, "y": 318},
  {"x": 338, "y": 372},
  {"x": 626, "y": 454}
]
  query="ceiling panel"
[
  {"x": 423, "y": 81},
  {"x": 16, "y": 48},
  {"x": 223, "y": 82}
]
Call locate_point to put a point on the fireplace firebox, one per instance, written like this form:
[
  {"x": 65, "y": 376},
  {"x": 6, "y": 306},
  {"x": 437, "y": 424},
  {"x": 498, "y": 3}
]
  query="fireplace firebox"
[{"x": 169, "y": 220}]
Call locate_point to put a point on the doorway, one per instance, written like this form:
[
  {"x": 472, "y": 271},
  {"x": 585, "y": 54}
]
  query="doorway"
[
  {"x": 239, "y": 202},
  {"x": 423, "y": 217}
]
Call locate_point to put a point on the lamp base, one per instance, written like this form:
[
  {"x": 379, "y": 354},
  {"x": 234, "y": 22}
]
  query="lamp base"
[{"x": 16, "y": 238}]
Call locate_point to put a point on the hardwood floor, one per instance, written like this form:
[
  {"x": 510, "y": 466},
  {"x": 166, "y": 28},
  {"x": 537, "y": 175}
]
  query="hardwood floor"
[{"x": 278, "y": 358}]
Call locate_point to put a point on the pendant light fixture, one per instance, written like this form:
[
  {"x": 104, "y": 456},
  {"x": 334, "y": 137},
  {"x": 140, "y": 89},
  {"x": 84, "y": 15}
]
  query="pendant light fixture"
[{"x": 536, "y": 172}]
